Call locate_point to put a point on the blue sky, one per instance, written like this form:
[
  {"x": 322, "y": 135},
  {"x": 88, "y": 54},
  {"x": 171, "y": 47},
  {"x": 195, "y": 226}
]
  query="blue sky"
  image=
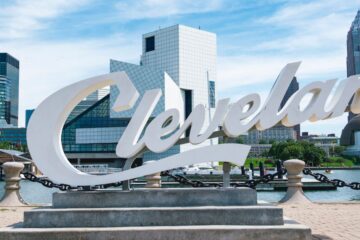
[{"x": 59, "y": 42}]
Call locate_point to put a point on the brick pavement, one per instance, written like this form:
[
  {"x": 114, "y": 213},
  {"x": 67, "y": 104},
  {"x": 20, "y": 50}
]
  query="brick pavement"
[{"x": 338, "y": 221}]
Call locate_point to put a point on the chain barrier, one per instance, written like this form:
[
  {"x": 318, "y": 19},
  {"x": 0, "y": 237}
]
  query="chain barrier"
[
  {"x": 64, "y": 187},
  {"x": 178, "y": 178},
  {"x": 196, "y": 183},
  {"x": 336, "y": 182},
  {"x": 184, "y": 180},
  {"x": 249, "y": 183}
]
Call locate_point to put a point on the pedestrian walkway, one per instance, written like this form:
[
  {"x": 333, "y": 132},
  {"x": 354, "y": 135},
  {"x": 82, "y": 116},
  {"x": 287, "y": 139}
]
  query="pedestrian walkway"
[{"x": 338, "y": 221}]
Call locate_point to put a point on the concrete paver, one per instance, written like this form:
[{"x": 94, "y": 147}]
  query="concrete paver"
[
  {"x": 338, "y": 221},
  {"x": 328, "y": 221}
]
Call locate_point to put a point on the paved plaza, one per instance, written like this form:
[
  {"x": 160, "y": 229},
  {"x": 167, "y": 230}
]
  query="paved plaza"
[{"x": 338, "y": 221}]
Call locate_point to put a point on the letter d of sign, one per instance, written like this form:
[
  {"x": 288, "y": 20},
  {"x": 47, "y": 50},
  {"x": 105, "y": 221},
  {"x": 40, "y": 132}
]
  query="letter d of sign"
[{"x": 46, "y": 123}]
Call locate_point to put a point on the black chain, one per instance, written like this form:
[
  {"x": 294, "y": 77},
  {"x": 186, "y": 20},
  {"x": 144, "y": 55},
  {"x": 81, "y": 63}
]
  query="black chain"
[
  {"x": 64, "y": 187},
  {"x": 184, "y": 180},
  {"x": 336, "y": 182},
  {"x": 250, "y": 183},
  {"x": 264, "y": 179},
  {"x": 195, "y": 183}
]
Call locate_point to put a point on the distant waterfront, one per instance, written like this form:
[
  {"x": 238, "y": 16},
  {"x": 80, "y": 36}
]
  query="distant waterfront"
[{"x": 36, "y": 193}]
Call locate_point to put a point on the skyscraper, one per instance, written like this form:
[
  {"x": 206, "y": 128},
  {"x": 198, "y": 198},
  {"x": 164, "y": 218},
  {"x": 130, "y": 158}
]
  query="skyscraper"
[
  {"x": 353, "y": 50},
  {"x": 350, "y": 135},
  {"x": 9, "y": 89}
]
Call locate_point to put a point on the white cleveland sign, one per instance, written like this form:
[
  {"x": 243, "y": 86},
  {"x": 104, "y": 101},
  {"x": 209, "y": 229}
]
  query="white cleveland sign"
[{"x": 46, "y": 123}]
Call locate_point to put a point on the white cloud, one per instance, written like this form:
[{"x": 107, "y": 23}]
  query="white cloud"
[
  {"x": 334, "y": 125},
  {"x": 247, "y": 70},
  {"x": 162, "y": 8},
  {"x": 23, "y": 17},
  {"x": 312, "y": 25}
]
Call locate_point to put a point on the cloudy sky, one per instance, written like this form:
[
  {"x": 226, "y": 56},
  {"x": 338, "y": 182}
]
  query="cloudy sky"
[{"x": 59, "y": 42}]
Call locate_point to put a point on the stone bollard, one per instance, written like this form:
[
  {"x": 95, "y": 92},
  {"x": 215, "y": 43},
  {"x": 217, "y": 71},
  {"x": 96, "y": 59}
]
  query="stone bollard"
[
  {"x": 12, "y": 196},
  {"x": 294, "y": 194},
  {"x": 153, "y": 180}
]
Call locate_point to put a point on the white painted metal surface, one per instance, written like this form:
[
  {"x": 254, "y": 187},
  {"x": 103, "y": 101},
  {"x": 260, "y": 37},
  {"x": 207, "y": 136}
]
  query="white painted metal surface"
[{"x": 46, "y": 123}]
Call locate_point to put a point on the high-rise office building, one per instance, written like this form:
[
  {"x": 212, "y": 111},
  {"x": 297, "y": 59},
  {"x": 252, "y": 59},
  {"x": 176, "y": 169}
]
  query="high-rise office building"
[
  {"x": 278, "y": 132},
  {"x": 353, "y": 50},
  {"x": 9, "y": 89},
  {"x": 350, "y": 135}
]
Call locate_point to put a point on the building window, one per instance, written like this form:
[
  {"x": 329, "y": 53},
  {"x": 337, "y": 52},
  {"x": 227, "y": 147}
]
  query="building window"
[
  {"x": 212, "y": 94},
  {"x": 187, "y": 95},
  {"x": 150, "y": 44}
]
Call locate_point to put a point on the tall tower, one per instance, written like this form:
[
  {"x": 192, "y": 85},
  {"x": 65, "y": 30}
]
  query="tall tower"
[
  {"x": 9, "y": 89},
  {"x": 353, "y": 50},
  {"x": 188, "y": 55}
]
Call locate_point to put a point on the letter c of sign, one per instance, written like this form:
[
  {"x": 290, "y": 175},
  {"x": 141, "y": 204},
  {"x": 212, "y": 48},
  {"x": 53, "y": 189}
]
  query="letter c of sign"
[{"x": 46, "y": 123}]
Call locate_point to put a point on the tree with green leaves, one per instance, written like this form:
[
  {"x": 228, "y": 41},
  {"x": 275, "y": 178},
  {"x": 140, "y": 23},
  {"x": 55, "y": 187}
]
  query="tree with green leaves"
[{"x": 301, "y": 150}]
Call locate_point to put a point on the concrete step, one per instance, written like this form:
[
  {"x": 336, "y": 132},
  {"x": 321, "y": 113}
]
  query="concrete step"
[
  {"x": 290, "y": 230},
  {"x": 184, "y": 197},
  {"x": 165, "y": 216}
]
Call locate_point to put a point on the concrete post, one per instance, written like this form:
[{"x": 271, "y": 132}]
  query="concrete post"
[
  {"x": 12, "y": 196},
  {"x": 153, "y": 180},
  {"x": 226, "y": 174},
  {"x": 226, "y": 168},
  {"x": 294, "y": 194}
]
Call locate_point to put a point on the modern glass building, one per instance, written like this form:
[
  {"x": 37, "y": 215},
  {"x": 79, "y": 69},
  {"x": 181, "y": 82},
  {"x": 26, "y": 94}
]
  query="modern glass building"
[
  {"x": 180, "y": 61},
  {"x": 350, "y": 135},
  {"x": 353, "y": 50},
  {"x": 12, "y": 135},
  {"x": 279, "y": 132},
  {"x": 9, "y": 89},
  {"x": 91, "y": 136}
]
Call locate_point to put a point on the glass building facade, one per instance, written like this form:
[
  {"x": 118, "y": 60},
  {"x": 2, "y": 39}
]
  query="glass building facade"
[
  {"x": 78, "y": 137},
  {"x": 13, "y": 135},
  {"x": 9, "y": 89},
  {"x": 28, "y": 114},
  {"x": 353, "y": 67},
  {"x": 212, "y": 99},
  {"x": 353, "y": 50}
]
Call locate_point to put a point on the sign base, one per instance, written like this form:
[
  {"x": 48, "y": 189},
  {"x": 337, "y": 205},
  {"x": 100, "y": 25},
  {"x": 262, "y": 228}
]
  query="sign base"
[{"x": 158, "y": 214}]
